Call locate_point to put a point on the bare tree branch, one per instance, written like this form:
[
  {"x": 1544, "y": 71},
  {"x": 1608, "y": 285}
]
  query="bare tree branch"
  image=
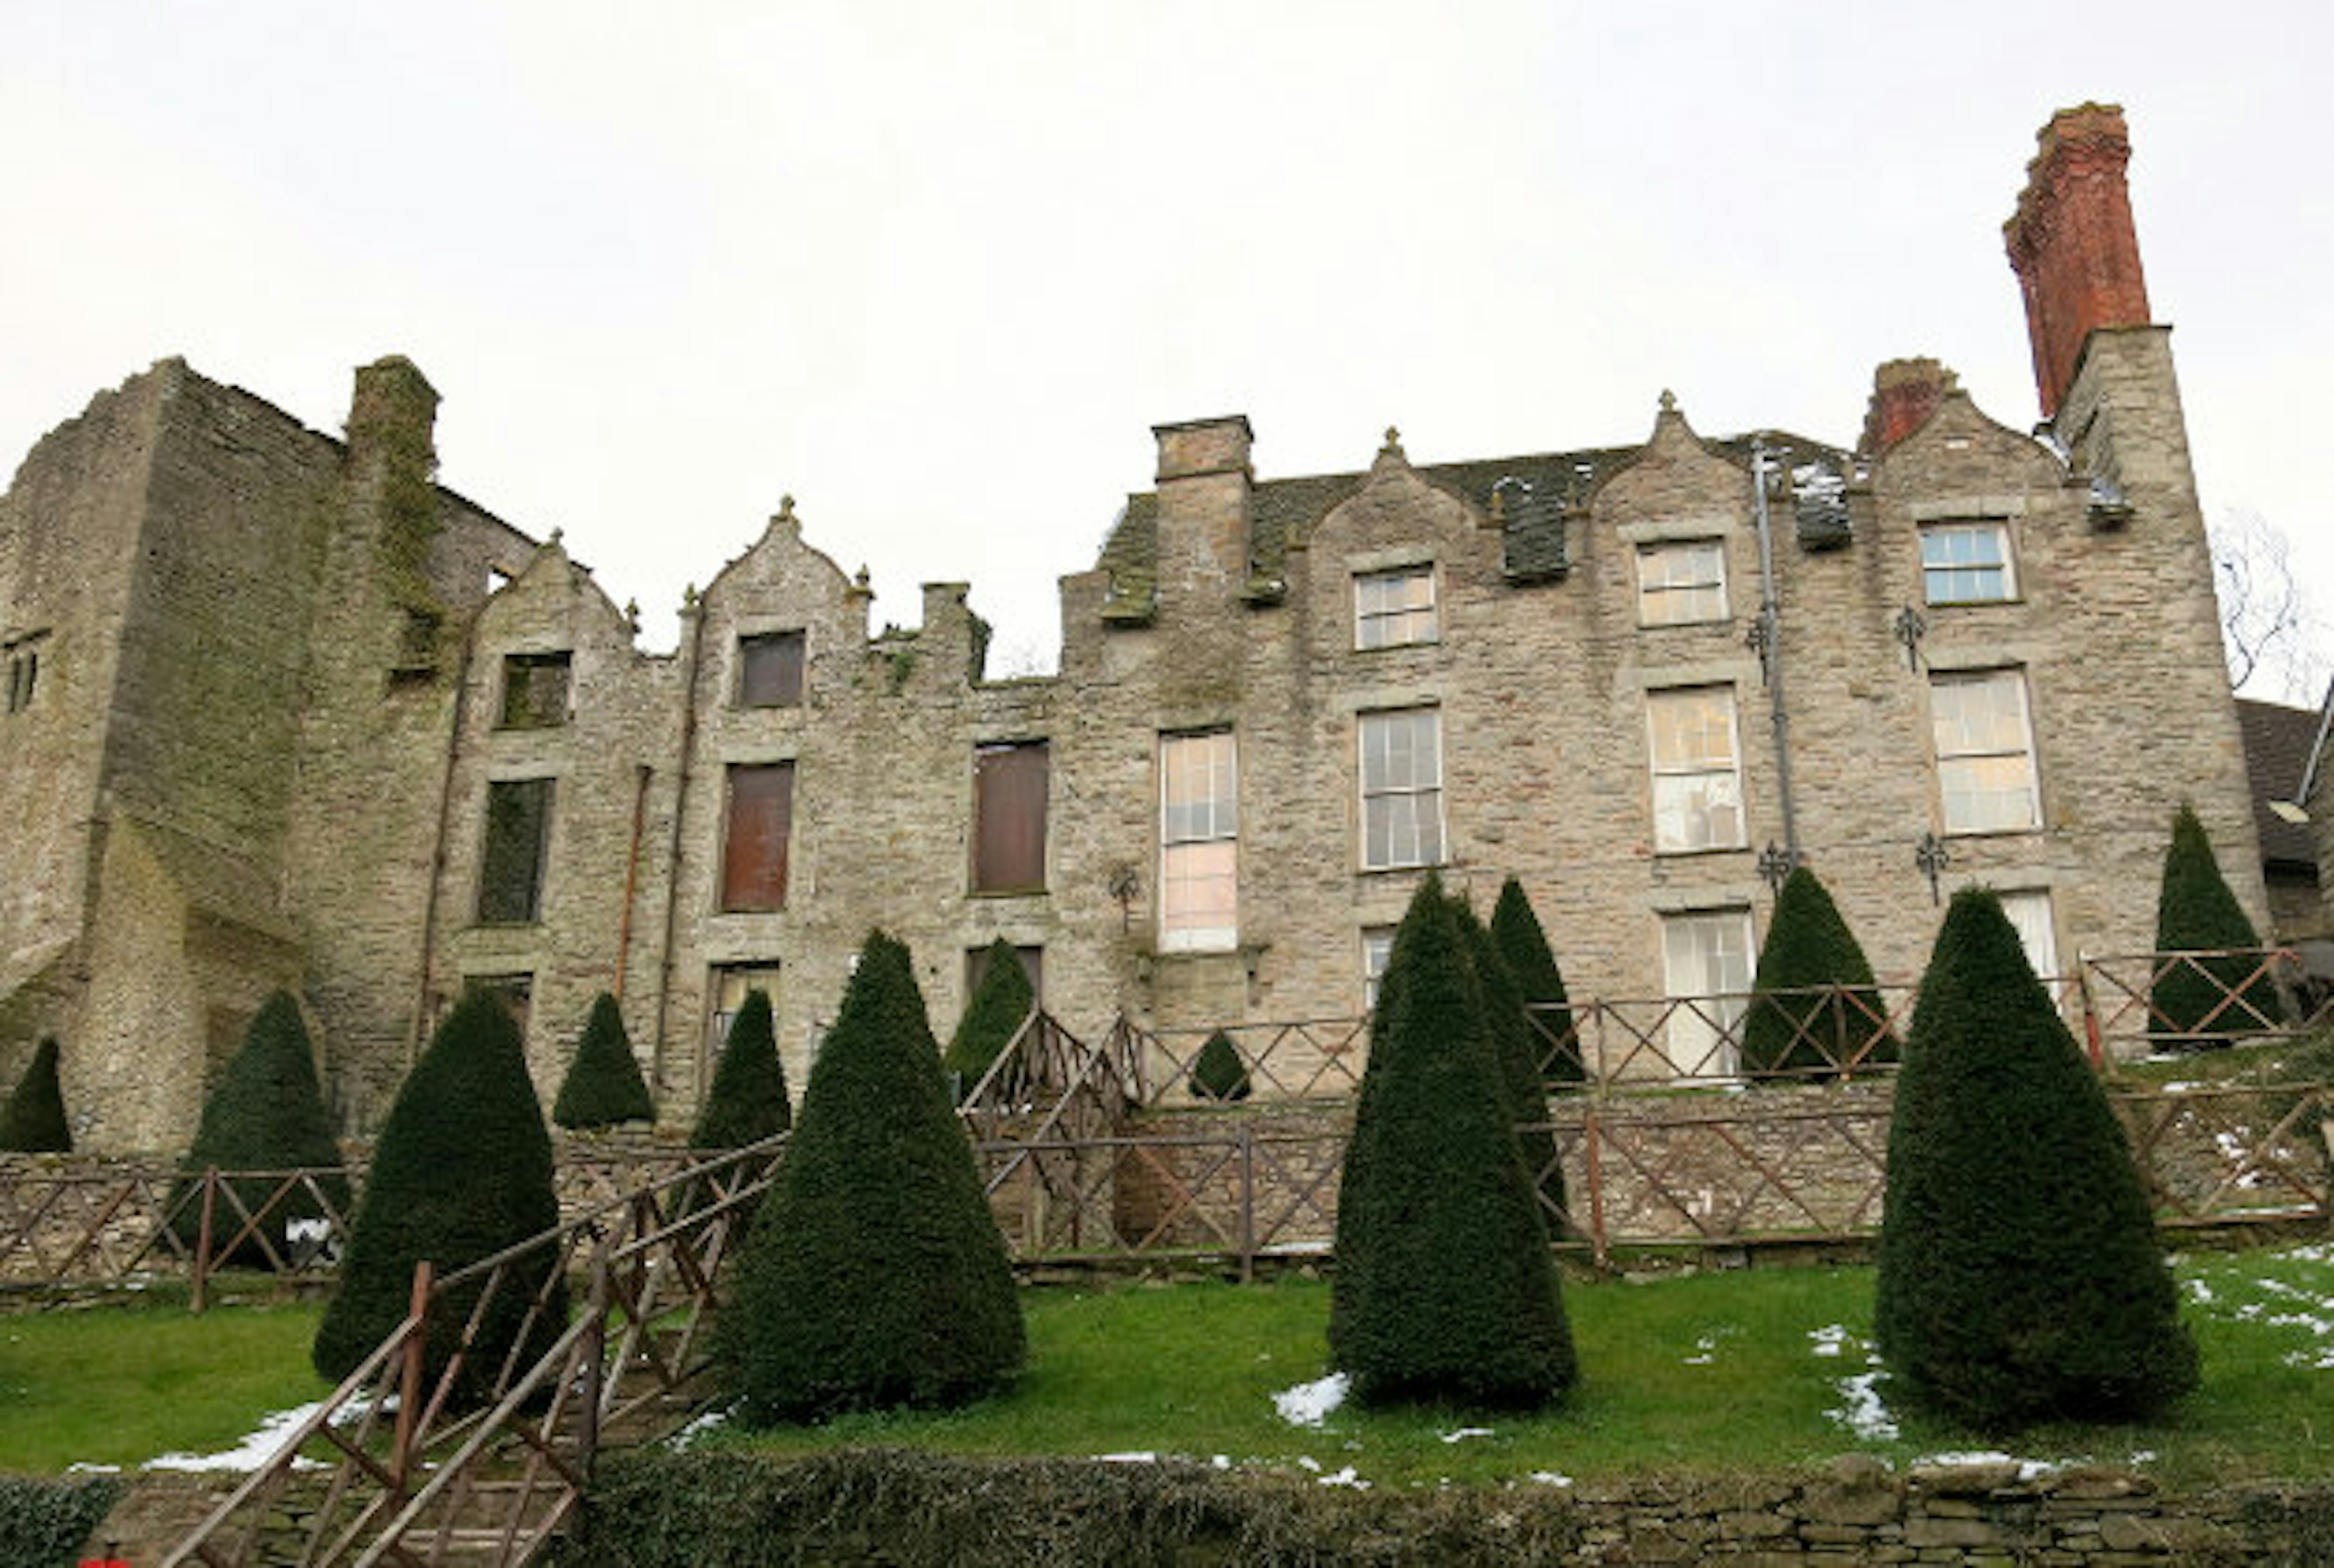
[{"x": 2270, "y": 628}]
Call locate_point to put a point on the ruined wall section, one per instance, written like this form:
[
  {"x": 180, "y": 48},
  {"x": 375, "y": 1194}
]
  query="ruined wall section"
[
  {"x": 70, "y": 525},
  {"x": 405, "y": 567},
  {"x": 610, "y": 750}
]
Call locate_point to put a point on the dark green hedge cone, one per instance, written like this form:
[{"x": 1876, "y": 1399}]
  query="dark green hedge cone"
[
  {"x": 2019, "y": 1277},
  {"x": 996, "y": 1011},
  {"x": 1515, "y": 1042},
  {"x": 2197, "y": 912},
  {"x": 462, "y": 1171},
  {"x": 874, "y": 1275},
  {"x": 1516, "y": 931},
  {"x": 266, "y": 1113},
  {"x": 747, "y": 1102},
  {"x": 1793, "y": 1032},
  {"x": 1218, "y": 1072},
  {"x": 1444, "y": 1288},
  {"x": 33, "y": 1120},
  {"x": 603, "y": 1086}
]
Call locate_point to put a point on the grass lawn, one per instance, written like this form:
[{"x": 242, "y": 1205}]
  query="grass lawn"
[
  {"x": 123, "y": 1384},
  {"x": 1706, "y": 1372}
]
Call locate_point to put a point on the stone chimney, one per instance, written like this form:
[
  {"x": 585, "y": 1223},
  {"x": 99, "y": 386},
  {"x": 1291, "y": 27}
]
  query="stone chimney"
[
  {"x": 2072, "y": 245},
  {"x": 394, "y": 406},
  {"x": 1905, "y": 393},
  {"x": 1205, "y": 483}
]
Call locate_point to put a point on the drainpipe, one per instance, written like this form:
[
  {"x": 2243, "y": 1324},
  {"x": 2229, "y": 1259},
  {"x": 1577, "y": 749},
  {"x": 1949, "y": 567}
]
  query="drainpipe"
[
  {"x": 694, "y": 609},
  {"x": 1769, "y": 634}
]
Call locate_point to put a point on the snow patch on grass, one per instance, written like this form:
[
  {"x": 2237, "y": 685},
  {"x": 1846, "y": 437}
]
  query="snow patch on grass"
[
  {"x": 253, "y": 1452},
  {"x": 1830, "y": 1339},
  {"x": 1311, "y": 1404},
  {"x": 1861, "y": 1408},
  {"x": 1463, "y": 1433}
]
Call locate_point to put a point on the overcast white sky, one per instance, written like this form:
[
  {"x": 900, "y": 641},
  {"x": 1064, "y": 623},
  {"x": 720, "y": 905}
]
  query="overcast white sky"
[{"x": 936, "y": 269}]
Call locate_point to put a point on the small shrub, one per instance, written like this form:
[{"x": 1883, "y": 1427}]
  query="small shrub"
[
  {"x": 1444, "y": 1288},
  {"x": 462, "y": 1171},
  {"x": 49, "y": 1521},
  {"x": 747, "y": 1102},
  {"x": 2020, "y": 1278},
  {"x": 265, "y": 1114},
  {"x": 2203, "y": 1003},
  {"x": 33, "y": 1120},
  {"x": 1793, "y": 1032},
  {"x": 1516, "y": 931},
  {"x": 1218, "y": 1072},
  {"x": 603, "y": 1086},
  {"x": 874, "y": 1275},
  {"x": 996, "y": 1011}
]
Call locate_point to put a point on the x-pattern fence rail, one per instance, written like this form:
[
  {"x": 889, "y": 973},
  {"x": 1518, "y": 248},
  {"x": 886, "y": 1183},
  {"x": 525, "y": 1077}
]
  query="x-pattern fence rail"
[
  {"x": 1710, "y": 1171},
  {"x": 428, "y": 1464}
]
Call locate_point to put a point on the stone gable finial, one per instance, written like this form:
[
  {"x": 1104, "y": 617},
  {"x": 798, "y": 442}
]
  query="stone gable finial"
[
  {"x": 785, "y": 510},
  {"x": 1392, "y": 447},
  {"x": 1668, "y": 401}
]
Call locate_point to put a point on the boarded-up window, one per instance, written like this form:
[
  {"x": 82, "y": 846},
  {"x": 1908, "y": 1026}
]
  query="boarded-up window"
[
  {"x": 1008, "y": 810},
  {"x": 770, "y": 669},
  {"x": 518, "y": 836},
  {"x": 534, "y": 690},
  {"x": 760, "y": 818}
]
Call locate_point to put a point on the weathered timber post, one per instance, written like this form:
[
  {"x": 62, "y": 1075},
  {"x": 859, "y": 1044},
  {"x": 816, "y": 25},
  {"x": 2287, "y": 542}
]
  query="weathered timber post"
[
  {"x": 409, "y": 1386},
  {"x": 201, "y": 1291}
]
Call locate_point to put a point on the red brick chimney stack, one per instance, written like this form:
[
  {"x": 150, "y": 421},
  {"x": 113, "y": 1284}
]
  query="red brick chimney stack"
[
  {"x": 1905, "y": 393},
  {"x": 2072, "y": 245}
]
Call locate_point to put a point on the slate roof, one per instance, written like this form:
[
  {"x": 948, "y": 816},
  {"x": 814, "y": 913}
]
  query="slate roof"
[
  {"x": 1282, "y": 511},
  {"x": 2277, "y": 753}
]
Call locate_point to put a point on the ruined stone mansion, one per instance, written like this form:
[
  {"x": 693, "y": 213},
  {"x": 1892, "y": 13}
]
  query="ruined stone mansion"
[{"x": 282, "y": 711}]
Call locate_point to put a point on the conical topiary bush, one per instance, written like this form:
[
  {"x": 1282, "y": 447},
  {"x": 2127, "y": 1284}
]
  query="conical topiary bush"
[
  {"x": 462, "y": 1171},
  {"x": 2202, "y": 1003},
  {"x": 998, "y": 1005},
  {"x": 1514, "y": 1042},
  {"x": 265, "y": 1114},
  {"x": 1522, "y": 943},
  {"x": 874, "y": 1275},
  {"x": 1797, "y": 1032},
  {"x": 2020, "y": 1278},
  {"x": 33, "y": 1120},
  {"x": 747, "y": 1102},
  {"x": 603, "y": 1086},
  {"x": 1444, "y": 1288},
  {"x": 1218, "y": 1072}
]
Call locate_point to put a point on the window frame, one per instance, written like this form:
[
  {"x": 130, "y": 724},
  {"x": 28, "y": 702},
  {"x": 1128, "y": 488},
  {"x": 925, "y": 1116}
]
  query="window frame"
[
  {"x": 1400, "y": 625},
  {"x": 1377, "y": 952},
  {"x": 790, "y": 648},
  {"x": 1435, "y": 853},
  {"x": 1197, "y": 843},
  {"x": 2011, "y": 677},
  {"x": 717, "y": 1019},
  {"x": 522, "y": 707},
  {"x": 764, "y": 890},
  {"x": 1658, "y": 770},
  {"x": 988, "y": 880},
  {"x": 1968, "y": 527},
  {"x": 528, "y": 911},
  {"x": 1650, "y": 594},
  {"x": 1714, "y": 1045}
]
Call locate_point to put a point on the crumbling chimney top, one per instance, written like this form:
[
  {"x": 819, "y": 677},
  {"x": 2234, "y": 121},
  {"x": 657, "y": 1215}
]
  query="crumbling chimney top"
[
  {"x": 2072, "y": 243},
  {"x": 1905, "y": 393}
]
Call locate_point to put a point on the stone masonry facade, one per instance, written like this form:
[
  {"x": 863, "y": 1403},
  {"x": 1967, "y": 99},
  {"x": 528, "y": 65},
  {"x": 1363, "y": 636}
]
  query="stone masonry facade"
[{"x": 298, "y": 716}]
